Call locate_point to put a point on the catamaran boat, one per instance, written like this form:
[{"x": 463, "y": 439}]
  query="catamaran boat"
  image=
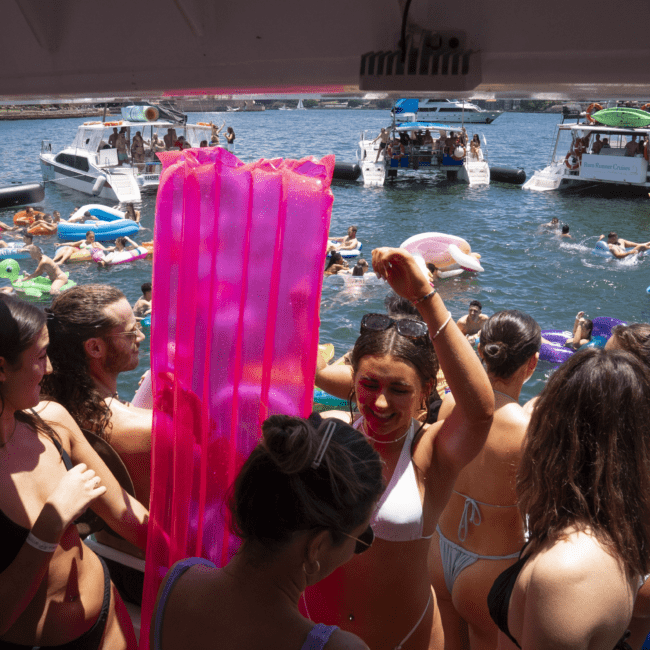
[
  {"x": 422, "y": 146},
  {"x": 589, "y": 155},
  {"x": 448, "y": 111},
  {"x": 90, "y": 166}
]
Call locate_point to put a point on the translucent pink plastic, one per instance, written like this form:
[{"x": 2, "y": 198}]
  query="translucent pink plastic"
[{"x": 238, "y": 265}]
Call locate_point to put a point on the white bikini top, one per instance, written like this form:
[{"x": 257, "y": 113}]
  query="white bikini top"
[{"x": 399, "y": 516}]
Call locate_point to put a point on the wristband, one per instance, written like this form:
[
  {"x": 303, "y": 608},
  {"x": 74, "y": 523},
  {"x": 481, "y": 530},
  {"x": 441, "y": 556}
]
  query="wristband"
[
  {"x": 40, "y": 545},
  {"x": 442, "y": 327},
  {"x": 419, "y": 300}
]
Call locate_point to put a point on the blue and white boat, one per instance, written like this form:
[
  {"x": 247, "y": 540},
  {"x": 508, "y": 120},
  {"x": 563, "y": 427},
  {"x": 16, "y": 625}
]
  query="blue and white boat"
[
  {"x": 422, "y": 146},
  {"x": 448, "y": 111}
]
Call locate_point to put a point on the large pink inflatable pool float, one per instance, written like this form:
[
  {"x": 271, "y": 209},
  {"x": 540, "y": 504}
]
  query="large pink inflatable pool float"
[{"x": 237, "y": 270}]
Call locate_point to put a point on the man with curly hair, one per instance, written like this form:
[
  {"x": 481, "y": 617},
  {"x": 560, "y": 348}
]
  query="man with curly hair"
[{"x": 94, "y": 337}]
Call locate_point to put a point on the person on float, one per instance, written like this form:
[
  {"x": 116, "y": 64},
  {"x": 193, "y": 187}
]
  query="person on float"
[{"x": 385, "y": 596}]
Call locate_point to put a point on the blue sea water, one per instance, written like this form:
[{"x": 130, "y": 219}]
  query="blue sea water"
[{"x": 526, "y": 267}]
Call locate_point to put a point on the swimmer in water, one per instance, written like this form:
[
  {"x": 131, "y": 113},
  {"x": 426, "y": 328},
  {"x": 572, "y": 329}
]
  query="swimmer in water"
[
  {"x": 360, "y": 268},
  {"x": 470, "y": 324},
  {"x": 336, "y": 265},
  {"x": 553, "y": 223},
  {"x": 618, "y": 245},
  {"x": 565, "y": 232}
]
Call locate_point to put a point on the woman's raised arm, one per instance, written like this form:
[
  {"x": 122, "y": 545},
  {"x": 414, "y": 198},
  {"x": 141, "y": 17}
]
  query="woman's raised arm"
[{"x": 463, "y": 433}]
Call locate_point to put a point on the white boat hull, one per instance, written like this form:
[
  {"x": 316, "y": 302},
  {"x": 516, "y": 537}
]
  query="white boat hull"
[
  {"x": 120, "y": 187},
  {"x": 486, "y": 117}
]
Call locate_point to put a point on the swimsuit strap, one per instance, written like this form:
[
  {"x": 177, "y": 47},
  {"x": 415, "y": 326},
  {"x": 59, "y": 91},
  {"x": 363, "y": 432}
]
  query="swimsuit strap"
[{"x": 471, "y": 514}]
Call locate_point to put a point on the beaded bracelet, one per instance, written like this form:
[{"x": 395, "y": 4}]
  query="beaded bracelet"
[
  {"x": 40, "y": 545},
  {"x": 419, "y": 300},
  {"x": 442, "y": 327}
]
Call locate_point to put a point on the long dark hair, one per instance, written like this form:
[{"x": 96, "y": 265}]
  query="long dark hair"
[
  {"x": 508, "y": 339},
  {"x": 20, "y": 324},
  {"x": 417, "y": 352},
  {"x": 74, "y": 317},
  {"x": 586, "y": 458},
  {"x": 279, "y": 491}
]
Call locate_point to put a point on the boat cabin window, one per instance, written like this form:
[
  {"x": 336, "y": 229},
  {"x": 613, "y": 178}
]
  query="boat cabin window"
[{"x": 77, "y": 162}]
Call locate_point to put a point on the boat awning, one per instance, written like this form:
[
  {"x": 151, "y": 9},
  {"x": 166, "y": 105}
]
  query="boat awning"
[
  {"x": 421, "y": 126},
  {"x": 514, "y": 49}
]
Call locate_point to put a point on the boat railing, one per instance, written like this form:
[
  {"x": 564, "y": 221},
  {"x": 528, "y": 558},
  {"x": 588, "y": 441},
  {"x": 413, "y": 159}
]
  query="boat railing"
[{"x": 46, "y": 146}]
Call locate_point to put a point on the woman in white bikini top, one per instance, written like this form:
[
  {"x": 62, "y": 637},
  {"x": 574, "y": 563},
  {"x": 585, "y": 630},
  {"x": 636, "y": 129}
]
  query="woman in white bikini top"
[
  {"x": 385, "y": 596},
  {"x": 481, "y": 532}
]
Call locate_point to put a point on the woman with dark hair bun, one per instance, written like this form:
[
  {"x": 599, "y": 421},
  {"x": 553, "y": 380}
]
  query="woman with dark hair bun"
[
  {"x": 55, "y": 592},
  {"x": 385, "y": 596},
  {"x": 301, "y": 504},
  {"x": 480, "y": 530},
  {"x": 584, "y": 493}
]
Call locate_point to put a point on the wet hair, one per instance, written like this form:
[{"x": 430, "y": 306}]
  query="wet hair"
[
  {"x": 419, "y": 353},
  {"x": 397, "y": 306},
  {"x": 146, "y": 286},
  {"x": 611, "y": 234},
  {"x": 75, "y": 316},
  {"x": 278, "y": 492},
  {"x": 335, "y": 258},
  {"x": 565, "y": 228},
  {"x": 20, "y": 324},
  {"x": 87, "y": 214},
  {"x": 508, "y": 339},
  {"x": 358, "y": 269},
  {"x": 635, "y": 339},
  {"x": 28, "y": 235},
  {"x": 476, "y": 303},
  {"x": 121, "y": 240},
  {"x": 589, "y": 326},
  {"x": 586, "y": 457}
]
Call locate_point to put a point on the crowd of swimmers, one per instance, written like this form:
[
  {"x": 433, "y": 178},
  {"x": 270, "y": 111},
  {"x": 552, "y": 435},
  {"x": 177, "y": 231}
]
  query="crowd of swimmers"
[{"x": 418, "y": 520}]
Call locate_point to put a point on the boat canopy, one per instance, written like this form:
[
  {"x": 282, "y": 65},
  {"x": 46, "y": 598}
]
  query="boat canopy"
[{"x": 420, "y": 126}]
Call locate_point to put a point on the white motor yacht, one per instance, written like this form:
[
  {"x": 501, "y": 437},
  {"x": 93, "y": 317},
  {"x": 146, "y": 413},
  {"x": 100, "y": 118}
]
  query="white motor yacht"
[
  {"x": 592, "y": 155},
  {"x": 444, "y": 110},
  {"x": 91, "y": 166}
]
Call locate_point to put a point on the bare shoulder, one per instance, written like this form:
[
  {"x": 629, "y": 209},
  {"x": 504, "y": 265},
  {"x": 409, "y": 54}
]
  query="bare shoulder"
[
  {"x": 56, "y": 415},
  {"x": 342, "y": 640},
  {"x": 462, "y": 320}
]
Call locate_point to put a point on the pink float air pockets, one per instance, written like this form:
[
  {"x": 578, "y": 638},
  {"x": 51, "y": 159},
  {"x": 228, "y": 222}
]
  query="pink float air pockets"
[{"x": 238, "y": 269}]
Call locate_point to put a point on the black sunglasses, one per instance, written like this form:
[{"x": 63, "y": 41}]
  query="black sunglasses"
[
  {"x": 364, "y": 542},
  {"x": 408, "y": 327}
]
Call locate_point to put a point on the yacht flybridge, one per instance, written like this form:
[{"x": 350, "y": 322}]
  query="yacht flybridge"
[
  {"x": 446, "y": 110},
  {"x": 90, "y": 165},
  {"x": 423, "y": 146}
]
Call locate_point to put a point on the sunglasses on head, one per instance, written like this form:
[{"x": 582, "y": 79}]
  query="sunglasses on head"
[
  {"x": 364, "y": 541},
  {"x": 408, "y": 327}
]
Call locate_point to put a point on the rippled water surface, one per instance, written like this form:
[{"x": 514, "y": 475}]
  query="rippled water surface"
[{"x": 526, "y": 267}]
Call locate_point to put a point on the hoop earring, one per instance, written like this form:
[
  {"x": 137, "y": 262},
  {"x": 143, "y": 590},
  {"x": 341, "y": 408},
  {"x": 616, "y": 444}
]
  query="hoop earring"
[{"x": 313, "y": 573}]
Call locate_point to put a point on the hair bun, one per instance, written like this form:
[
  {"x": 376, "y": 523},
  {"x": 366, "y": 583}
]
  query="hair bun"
[
  {"x": 290, "y": 443},
  {"x": 497, "y": 351}
]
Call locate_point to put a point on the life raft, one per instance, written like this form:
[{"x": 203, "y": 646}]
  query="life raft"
[
  {"x": 590, "y": 109},
  {"x": 456, "y": 155}
]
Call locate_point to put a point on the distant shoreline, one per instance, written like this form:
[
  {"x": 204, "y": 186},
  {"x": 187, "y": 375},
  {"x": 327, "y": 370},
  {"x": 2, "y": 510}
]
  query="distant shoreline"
[{"x": 48, "y": 114}]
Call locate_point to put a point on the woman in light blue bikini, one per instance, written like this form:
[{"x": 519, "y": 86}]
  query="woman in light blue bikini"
[
  {"x": 385, "y": 595},
  {"x": 302, "y": 505},
  {"x": 481, "y": 531}
]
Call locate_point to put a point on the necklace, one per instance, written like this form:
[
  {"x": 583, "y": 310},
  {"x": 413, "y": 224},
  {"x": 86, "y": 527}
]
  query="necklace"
[
  {"x": 498, "y": 392},
  {"x": 385, "y": 442},
  {"x": 4, "y": 444}
]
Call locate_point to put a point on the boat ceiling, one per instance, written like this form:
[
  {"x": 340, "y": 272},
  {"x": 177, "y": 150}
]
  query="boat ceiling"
[{"x": 550, "y": 49}]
